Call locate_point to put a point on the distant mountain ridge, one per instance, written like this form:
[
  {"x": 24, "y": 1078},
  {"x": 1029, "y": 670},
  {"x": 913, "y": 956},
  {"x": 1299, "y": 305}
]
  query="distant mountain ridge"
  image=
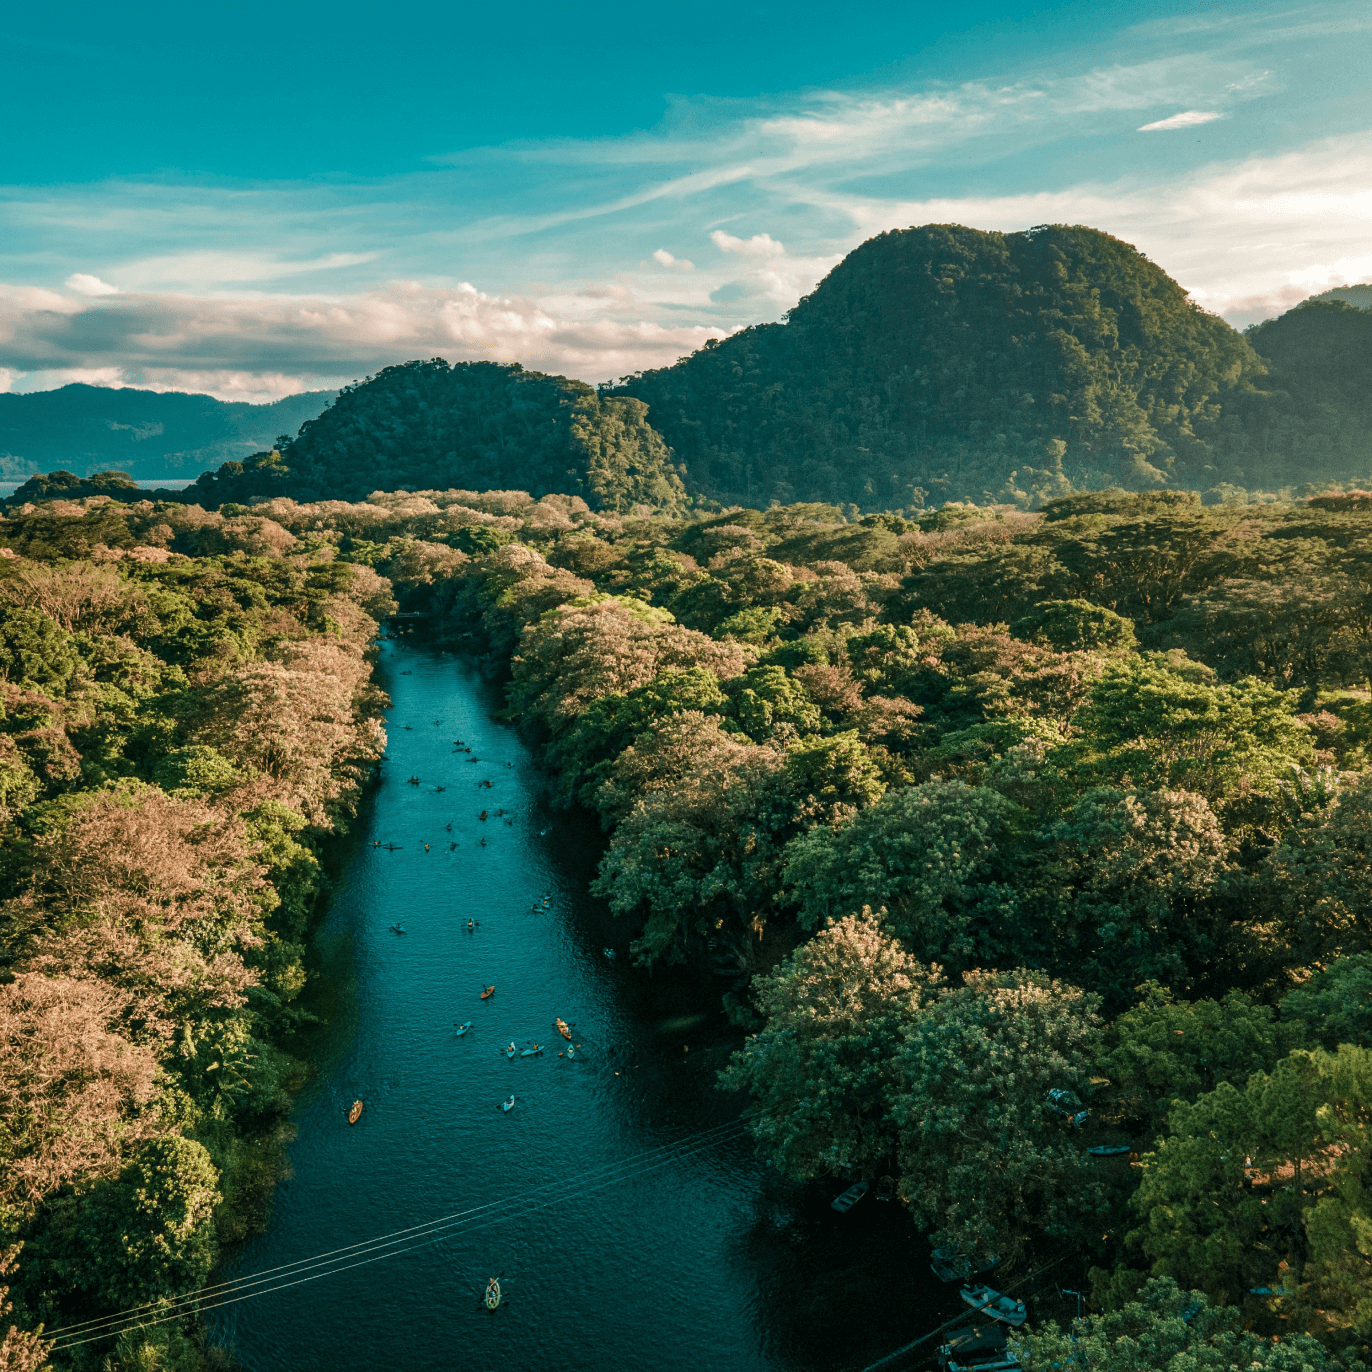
[
  {"x": 151, "y": 435},
  {"x": 932, "y": 364}
]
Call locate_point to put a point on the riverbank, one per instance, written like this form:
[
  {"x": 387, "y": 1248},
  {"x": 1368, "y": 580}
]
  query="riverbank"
[{"x": 725, "y": 1263}]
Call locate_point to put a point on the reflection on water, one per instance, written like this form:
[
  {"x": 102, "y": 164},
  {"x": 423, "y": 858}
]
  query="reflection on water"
[{"x": 693, "y": 1257}]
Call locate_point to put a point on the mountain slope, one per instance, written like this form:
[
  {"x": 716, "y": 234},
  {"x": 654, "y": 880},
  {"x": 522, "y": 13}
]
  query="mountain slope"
[
  {"x": 947, "y": 359},
  {"x": 474, "y": 425},
  {"x": 1312, "y": 418},
  {"x": 148, "y": 434}
]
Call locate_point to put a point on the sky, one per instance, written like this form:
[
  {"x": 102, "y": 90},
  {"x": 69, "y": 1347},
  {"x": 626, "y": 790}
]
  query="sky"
[{"x": 256, "y": 199}]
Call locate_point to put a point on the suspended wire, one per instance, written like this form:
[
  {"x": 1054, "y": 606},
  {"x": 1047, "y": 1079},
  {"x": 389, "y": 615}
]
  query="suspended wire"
[
  {"x": 272, "y": 1279},
  {"x": 957, "y": 1319},
  {"x": 399, "y": 1235},
  {"x": 232, "y": 1297}
]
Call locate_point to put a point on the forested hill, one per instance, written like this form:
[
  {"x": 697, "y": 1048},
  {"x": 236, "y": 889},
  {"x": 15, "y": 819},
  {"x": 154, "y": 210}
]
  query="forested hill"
[
  {"x": 1312, "y": 417},
  {"x": 943, "y": 362},
  {"x": 147, "y": 434},
  {"x": 478, "y": 425}
]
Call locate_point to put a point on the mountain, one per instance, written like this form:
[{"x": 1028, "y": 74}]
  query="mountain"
[
  {"x": 1361, "y": 296},
  {"x": 1311, "y": 418},
  {"x": 474, "y": 425},
  {"x": 932, "y": 364},
  {"x": 946, "y": 362},
  {"x": 148, "y": 434}
]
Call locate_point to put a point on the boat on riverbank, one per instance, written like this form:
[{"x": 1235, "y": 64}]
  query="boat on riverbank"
[
  {"x": 985, "y": 1300},
  {"x": 844, "y": 1203}
]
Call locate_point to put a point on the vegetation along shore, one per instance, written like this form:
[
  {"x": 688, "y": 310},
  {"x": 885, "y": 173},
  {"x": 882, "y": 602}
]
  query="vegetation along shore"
[{"x": 1018, "y": 825}]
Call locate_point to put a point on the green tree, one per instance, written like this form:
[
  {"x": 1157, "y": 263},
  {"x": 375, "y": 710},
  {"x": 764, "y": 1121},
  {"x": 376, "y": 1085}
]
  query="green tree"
[
  {"x": 1149, "y": 727},
  {"x": 1335, "y": 1005},
  {"x": 1168, "y": 1329},
  {"x": 1165, "y": 1051},
  {"x": 985, "y": 1161},
  {"x": 1131, "y": 873},
  {"x": 822, "y": 1070},
  {"x": 1212, "y": 1213},
  {"x": 939, "y": 858},
  {"x": 1317, "y": 880},
  {"x": 146, "y": 1235}
]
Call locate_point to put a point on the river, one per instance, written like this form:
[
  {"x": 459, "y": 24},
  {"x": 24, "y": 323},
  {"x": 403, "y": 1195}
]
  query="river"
[{"x": 694, "y": 1257}]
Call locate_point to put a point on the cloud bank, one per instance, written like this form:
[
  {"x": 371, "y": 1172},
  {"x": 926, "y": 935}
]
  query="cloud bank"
[{"x": 554, "y": 254}]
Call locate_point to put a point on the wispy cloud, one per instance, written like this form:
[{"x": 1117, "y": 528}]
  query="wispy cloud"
[
  {"x": 556, "y": 253},
  {"x": 1187, "y": 119}
]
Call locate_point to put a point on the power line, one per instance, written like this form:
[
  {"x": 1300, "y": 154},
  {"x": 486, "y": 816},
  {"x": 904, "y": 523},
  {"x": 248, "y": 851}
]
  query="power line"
[
  {"x": 948, "y": 1324},
  {"x": 274, "y": 1279}
]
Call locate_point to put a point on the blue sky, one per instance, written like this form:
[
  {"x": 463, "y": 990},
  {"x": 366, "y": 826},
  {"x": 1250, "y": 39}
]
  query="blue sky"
[{"x": 253, "y": 199}]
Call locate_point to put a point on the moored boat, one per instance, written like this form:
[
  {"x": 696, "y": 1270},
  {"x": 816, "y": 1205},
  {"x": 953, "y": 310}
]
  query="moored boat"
[
  {"x": 981, "y": 1349},
  {"x": 988, "y": 1301},
  {"x": 844, "y": 1203}
]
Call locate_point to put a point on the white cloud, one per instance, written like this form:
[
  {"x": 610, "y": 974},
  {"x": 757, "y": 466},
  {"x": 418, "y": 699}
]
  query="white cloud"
[
  {"x": 1248, "y": 239},
  {"x": 268, "y": 346},
  {"x": 1187, "y": 119},
  {"x": 759, "y": 245},
  {"x": 84, "y": 284},
  {"x": 676, "y": 263}
]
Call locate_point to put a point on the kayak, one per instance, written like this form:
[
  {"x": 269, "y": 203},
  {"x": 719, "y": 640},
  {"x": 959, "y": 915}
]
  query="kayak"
[
  {"x": 532, "y": 1052},
  {"x": 564, "y": 1030},
  {"x": 844, "y": 1203},
  {"x": 355, "y": 1112},
  {"x": 462, "y": 1028}
]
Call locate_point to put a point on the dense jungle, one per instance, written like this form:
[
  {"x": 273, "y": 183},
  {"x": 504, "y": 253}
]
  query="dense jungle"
[{"x": 1011, "y": 833}]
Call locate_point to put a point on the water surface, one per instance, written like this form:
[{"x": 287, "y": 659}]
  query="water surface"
[{"x": 706, "y": 1261}]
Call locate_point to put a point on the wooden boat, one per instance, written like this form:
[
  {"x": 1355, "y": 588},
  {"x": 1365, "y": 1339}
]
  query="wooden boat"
[
  {"x": 563, "y": 1029},
  {"x": 355, "y": 1112},
  {"x": 463, "y": 1028},
  {"x": 508, "y": 1105},
  {"x": 844, "y": 1203},
  {"x": 990, "y": 1302},
  {"x": 482, "y": 815},
  {"x": 492, "y": 1296},
  {"x": 977, "y": 1350},
  {"x": 488, "y": 993}
]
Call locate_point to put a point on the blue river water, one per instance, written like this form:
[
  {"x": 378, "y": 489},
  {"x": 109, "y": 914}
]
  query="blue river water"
[{"x": 623, "y": 1238}]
